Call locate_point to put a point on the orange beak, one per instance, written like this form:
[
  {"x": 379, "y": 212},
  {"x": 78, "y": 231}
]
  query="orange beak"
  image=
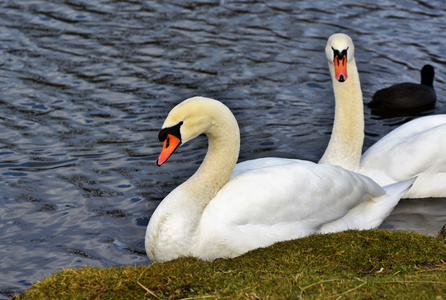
[
  {"x": 171, "y": 143},
  {"x": 340, "y": 64}
]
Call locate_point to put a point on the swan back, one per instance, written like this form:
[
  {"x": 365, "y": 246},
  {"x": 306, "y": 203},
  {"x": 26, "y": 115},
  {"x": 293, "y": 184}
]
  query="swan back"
[{"x": 413, "y": 149}]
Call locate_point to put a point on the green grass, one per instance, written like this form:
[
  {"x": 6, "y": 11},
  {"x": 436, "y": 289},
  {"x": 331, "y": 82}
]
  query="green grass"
[{"x": 373, "y": 264}]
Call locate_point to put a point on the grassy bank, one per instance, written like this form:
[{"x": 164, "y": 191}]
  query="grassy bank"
[{"x": 355, "y": 264}]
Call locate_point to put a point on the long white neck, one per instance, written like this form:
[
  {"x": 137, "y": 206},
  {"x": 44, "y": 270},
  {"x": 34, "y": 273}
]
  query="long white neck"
[
  {"x": 177, "y": 218},
  {"x": 217, "y": 166},
  {"x": 347, "y": 138}
]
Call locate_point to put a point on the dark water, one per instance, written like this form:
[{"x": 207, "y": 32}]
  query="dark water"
[{"x": 85, "y": 86}]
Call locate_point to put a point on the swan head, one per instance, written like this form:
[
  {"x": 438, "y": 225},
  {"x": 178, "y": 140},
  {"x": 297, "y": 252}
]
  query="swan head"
[
  {"x": 339, "y": 51},
  {"x": 185, "y": 122}
]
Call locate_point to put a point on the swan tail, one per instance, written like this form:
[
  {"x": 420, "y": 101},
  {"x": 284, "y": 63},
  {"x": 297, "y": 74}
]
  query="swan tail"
[{"x": 371, "y": 213}]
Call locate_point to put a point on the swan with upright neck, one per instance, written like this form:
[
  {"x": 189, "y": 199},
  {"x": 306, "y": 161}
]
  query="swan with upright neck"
[
  {"x": 226, "y": 209},
  {"x": 416, "y": 148}
]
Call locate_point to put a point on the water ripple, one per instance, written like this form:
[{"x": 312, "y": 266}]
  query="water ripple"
[{"x": 85, "y": 87}]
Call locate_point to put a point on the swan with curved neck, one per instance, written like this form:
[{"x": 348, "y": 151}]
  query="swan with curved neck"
[
  {"x": 416, "y": 148},
  {"x": 226, "y": 209}
]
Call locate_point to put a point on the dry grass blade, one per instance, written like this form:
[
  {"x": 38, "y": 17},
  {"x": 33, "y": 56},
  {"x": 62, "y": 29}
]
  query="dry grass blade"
[
  {"x": 351, "y": 290},
  {"x": 144, "y": 287},
  {"x": 313, "y": 284}
]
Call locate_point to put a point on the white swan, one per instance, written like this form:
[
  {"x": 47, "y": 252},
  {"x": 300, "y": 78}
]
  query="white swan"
[
  {"x": 222, "y": 211},
  {"x": 416, "y": 148}
]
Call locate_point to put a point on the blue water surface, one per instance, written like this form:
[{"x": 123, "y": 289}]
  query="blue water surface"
[{"x": 85, "y": 86}]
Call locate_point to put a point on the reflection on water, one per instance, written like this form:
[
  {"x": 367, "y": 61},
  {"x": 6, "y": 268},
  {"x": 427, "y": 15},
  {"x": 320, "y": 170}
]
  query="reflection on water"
[
  {"x": 85, "y": 87},
  {"x": 418, "y": 215}
]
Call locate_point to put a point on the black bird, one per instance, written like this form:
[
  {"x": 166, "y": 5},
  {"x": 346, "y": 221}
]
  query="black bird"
[{"x": 408, "y": 95}]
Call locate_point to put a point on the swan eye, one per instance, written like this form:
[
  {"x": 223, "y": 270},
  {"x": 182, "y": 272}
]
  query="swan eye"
[
  {"x": 162, "y": 135},
  {"x": 174, "y": 130},
  {"x": 340, "y": 54}
]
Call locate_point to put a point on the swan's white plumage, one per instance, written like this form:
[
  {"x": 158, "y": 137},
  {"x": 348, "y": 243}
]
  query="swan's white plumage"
[
  {"x": 222, "y": 211},
  {"x": 416, "y": 148}
]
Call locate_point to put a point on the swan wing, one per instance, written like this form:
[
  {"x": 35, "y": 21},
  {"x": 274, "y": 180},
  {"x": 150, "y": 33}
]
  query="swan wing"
[
  {"x": 413, "y": 149},
  {"x": 371, "y": 213},
  {"x": 271, "y": 203}
]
